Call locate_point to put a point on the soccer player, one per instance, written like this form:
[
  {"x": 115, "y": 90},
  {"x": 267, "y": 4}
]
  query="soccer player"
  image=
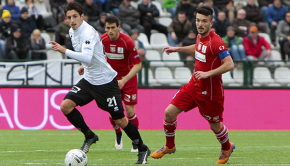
[
  {"x": 99, "y": 82},
  {"x": 123, "y": 56},
  {"x": 205, "y": 88}
]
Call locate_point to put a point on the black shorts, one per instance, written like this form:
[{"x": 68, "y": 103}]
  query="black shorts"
[{"x": 107, "y": 96}]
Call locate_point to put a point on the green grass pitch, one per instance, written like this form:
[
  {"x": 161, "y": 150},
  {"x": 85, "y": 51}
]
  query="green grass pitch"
[{"x": 194, "y": 147}]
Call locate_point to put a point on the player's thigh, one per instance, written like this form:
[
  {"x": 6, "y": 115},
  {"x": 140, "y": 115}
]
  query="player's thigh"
[
  {"x": 80, "y": 94},
  {"x": 184, "y": 99},
  {"x": 212, "y": 110},
  {"x": 108, "y": 98},
  {"x": 171, "y": 112},
  {"x": 129, "y": 92}
]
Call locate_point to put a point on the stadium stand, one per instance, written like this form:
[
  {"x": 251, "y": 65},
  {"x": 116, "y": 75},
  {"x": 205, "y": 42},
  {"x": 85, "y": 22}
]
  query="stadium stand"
[
  {"x": 172, "y": 60},
  {"x": 155, "y": 56},
  {"x": 182, "y": 75},
  {"x": 158, "y": 41},
  {"x": 163, "y": 75},
  {"x": 282, "y": 75},
  {"x": 262, "y": 76}
]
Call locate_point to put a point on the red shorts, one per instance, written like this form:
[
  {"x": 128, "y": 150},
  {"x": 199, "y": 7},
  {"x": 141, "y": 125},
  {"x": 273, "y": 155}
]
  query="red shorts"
[
  {"x": 129, "y": 91},
  {"x": 187, "y": 99}
]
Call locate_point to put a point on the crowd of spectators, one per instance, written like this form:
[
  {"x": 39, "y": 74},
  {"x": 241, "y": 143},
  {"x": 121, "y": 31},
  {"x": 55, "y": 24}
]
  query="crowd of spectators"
[{"x": 239, "y": 25}]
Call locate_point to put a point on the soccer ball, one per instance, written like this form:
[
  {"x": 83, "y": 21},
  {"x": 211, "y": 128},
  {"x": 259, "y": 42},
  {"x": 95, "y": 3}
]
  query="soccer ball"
[{"x": 76, "y": 157}]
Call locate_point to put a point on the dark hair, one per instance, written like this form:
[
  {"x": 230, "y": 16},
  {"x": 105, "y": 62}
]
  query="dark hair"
[
  {"x": 74, "y": 6},
  {"x": 112, "y": 19},
  {"x": 205, "y": 10},
  {"x": 181, "y": 12}
]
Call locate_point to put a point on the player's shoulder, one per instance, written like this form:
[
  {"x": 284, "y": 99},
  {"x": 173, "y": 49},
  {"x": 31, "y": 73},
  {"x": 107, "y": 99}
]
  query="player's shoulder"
[
  {"x": 215, "y": 36},
  {"x": 124, "y": 37}
]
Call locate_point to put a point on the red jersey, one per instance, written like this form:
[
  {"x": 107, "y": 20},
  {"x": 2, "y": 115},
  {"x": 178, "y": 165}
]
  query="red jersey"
[
  {"x": 121, "y": 54},
  {"x": 207, "y": 58}
]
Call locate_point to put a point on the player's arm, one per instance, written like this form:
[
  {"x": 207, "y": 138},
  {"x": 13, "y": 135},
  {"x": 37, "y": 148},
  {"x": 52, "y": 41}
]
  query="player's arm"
[
  {"x": 227, "y": 65},
  {"x": 185, "y": 49},
  {"x": 136, "y": 68},
  {"x": 86, "y": 53}
]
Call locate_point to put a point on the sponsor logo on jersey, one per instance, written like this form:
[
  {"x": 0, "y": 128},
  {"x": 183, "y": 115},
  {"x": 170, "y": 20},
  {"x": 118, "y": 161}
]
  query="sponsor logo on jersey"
[
  {"x": 127, "y": 97},
  {"x": 203, "y": 49},
  {"x": 113, "y": 49},
  {"x": 204, "y": 92},
  {"x": 136, "y": 56},
  {"x": 87, "y": 42},
  {"x": 87, "y": 48},
  {"x": 75, "y": 89},
  {"x": 114, "y": 56},
  {"x": 120, "y": 50},
  {"x": 199, "y": 46},
  {"x": 199, "y": 56}
]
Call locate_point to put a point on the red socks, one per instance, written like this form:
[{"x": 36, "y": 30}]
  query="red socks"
[
  {"x": 223, "y": 137},
  {"x": 169, "y": 129},
  {"x": 116, "y": 127},
  {"x": 134, "y": 120}
]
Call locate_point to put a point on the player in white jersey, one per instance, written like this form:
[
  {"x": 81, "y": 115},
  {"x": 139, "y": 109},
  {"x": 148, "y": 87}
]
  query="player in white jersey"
[{"x": 99, "y": 82}]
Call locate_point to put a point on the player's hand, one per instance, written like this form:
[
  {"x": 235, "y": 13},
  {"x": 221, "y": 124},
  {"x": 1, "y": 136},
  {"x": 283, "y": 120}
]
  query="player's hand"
[
  {"x": 121, "y": 83},
  {"x": 169, "y": 49},
  {"x": 57, "y": 47},
  {"x": 81, "y": 70},
  {"x": 201, "y": 75}
]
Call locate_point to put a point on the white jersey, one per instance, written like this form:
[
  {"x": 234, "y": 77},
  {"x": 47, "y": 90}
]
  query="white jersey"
[{"x": 88, "y": 49}]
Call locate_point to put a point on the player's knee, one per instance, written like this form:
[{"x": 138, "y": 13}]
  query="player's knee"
[
  {"x": 169, "y": 115},
  {"x": 66, "y": 107}
]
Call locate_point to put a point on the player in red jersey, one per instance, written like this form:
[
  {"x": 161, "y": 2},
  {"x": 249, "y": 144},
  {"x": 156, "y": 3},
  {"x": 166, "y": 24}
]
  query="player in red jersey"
[
  {"x": 123, "y": 56},
  {"x": 205, "y": 88}
]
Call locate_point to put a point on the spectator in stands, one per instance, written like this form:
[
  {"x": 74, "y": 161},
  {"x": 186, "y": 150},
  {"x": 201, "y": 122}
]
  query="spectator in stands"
[
  {"x": 283, "y": 31},
  {"x": 104, "y": 5},
  {"x": 138, "y": 44},
  {"x": 230, "y": 11},
  {"x": 129, "y": 17},
  {"x": 286, "y": 3},
  {"x": 170, "y": 6},
  {"x": 6, "y": 26},
  {"x": 209, "y": 3},
  {"x": 61, "y": 31},
  {"x": 287, "y": 50},
  {"x": 254, "y": 44},
  {"x": 100, "y": 25},
  {"x": 275, "y": 13},
  {"x": 55, "y": 6},
  {"x": 26, "y": 24},
  {"x": 221, "y": 24},
  {"x": 255, "y": 15},
  {"x": 33, "y": 13},
  {"x": 220, "y": 4},
  {"x": 115, "y": 6},
  {"x": 17, "y": 46},
  {"x": 263, "y": 5},
  {"x": 178, "y": 29},
  {"x": 62, "y": 7},
  {"x": 188, "y": 8},
  {"x": 92, "y": 11},
  {"x": 240, "y": 24},
  {"x": 13, "y": 9},
  {"x": 234, "y": 44},
  {"x": 148, "y": 18},
  {"x": 188, "y": 40},
  {"x": 37, "y": 45}
]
